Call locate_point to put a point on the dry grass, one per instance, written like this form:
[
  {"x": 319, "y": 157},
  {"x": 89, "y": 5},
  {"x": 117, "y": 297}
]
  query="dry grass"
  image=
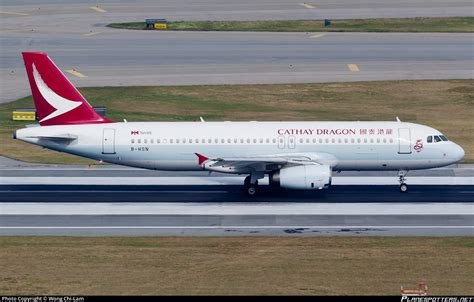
[
  {"x": 235, "y": 265},
  {"x": 447, "y": 105},
  {"x": 420, "y": 24}
]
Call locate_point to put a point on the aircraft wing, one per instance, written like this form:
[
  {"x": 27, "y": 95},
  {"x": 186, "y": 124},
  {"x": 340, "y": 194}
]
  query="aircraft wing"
[{"x": 265, "y": 163}]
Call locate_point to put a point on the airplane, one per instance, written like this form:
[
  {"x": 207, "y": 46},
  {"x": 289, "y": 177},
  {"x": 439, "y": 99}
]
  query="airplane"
[{"x": 293, "y": 154}]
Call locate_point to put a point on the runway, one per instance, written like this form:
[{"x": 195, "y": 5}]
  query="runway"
[
  {"x": 231, "y": 193},
  {"x": 112, "y": 57},
  {"x": 237, "y": 219},
  {"x": 104, "y": 200}
]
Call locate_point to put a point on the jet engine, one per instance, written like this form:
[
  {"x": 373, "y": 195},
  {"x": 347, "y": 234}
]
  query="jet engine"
[{"x": 303, "y": 177}]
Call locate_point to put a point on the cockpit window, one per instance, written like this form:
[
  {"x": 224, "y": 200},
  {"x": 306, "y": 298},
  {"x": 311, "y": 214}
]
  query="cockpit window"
[
  {"x": 437, "y": 138},
  {"x": 429, "y": 139},
  {"x": 444, "y": 138}
]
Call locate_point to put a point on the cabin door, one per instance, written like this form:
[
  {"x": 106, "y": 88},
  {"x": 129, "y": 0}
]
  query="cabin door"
[
  {"x": 108, "y": 141},
  {"x": 404, "y": 141}
]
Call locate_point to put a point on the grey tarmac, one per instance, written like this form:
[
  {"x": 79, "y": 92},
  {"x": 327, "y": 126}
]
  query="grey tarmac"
[{"x": 75, "y": 36}]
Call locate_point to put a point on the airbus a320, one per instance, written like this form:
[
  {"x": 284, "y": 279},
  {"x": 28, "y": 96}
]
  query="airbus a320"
[{"x": 294, "y": 155}]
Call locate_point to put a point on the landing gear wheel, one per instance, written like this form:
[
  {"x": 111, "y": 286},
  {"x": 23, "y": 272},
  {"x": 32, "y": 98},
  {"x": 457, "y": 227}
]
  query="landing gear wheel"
[
  {"x": 402, "y": 179},
  {"x": 252, "y": 190},
  {"x": 403, "y": 188}
]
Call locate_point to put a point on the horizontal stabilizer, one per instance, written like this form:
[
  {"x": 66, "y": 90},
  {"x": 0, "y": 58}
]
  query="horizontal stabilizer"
[{"x": 62, "y": 137}]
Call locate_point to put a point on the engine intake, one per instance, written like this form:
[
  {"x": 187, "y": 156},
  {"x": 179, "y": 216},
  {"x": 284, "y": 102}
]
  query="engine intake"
[{"x": 304, "y": 177}]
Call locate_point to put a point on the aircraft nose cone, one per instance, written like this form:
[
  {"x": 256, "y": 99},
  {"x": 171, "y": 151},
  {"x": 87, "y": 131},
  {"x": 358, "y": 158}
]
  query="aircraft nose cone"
[{"x": 457, "y": 153}]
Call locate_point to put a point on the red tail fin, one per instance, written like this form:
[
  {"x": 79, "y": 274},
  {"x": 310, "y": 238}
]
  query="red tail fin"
[{"x": 57, "y": 101}]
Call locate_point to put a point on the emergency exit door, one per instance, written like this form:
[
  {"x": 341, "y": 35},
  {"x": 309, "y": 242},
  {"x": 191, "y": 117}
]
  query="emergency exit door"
[{"x": 108, "y": 141}]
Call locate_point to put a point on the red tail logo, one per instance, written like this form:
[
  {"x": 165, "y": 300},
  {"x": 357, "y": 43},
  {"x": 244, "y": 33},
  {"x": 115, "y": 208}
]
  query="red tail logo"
[{"x": 57, "y": 101}]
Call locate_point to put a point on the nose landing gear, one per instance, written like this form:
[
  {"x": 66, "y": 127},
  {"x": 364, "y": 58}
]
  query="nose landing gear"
[{"x": 402, "y": 179}]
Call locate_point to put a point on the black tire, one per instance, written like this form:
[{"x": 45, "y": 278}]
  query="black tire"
[
  {"x": 251, "y": 190},
  {"x": 403, "y": 188}
]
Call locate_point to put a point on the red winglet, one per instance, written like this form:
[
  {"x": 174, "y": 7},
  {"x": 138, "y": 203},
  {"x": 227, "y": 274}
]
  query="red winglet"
[{"x": 201, "y": 158}]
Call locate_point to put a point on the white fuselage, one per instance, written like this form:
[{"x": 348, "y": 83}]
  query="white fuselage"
[{"x": 172, "y": 145}]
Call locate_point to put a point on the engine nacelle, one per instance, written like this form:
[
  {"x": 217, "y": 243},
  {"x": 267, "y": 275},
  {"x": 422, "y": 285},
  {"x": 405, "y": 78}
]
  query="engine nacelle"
[{"x": 304, "y": 177}]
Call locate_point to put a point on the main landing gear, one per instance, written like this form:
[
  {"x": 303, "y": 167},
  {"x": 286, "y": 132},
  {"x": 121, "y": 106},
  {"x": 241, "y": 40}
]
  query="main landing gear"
[
  {"x": 402, "y": 179},
  {"x": 250, "y": 188}
]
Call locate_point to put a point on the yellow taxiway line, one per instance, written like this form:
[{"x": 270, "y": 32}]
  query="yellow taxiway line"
[
  {"x": 307, "y": 5},
  {"x": 75, "y": 73},
  {"x": 98, "y": 9},
  {"x": 353, "y": 67},
  {"x": 317, "y": 36},
  {"x": 92, "y": 33}
]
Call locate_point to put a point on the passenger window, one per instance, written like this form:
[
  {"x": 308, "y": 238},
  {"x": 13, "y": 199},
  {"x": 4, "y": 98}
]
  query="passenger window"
[
  {"x": 274, "y": 140},
  {"x": 339, "y": 141},
  {"x": 133, "y": 141},
  {"x": 352, "y": 140},
  {"x": 177, "y": 140},
  {"x": 184, "y": 141},
  {"x": 139, "y": 141},
  {"x": 314, "y": 141},
  {"x": 229, "y": 140},
  {"x": 235, "y": 141},
  {"x": 158, "y": 141},
  {"x": 267, "y": 140},
  {"x": 429, "y": 139},
  {"x": 171, "y": 141},
  {"x": 241, "y": 140},
  {"x": 152, "y": 141},
  {"x": 346, "y": 140},
  {"x": 209, "y": 140},
  {"x": 358, "y": 140},
  {"x": 216, "y": 140},
  {"x": 320, "y": 140},
  {"x": 261, "y": 141},
  {"x": 248, "y": 140},
  {"x": 301, "y": 140},
  {"x": 203, "y": 140}
]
